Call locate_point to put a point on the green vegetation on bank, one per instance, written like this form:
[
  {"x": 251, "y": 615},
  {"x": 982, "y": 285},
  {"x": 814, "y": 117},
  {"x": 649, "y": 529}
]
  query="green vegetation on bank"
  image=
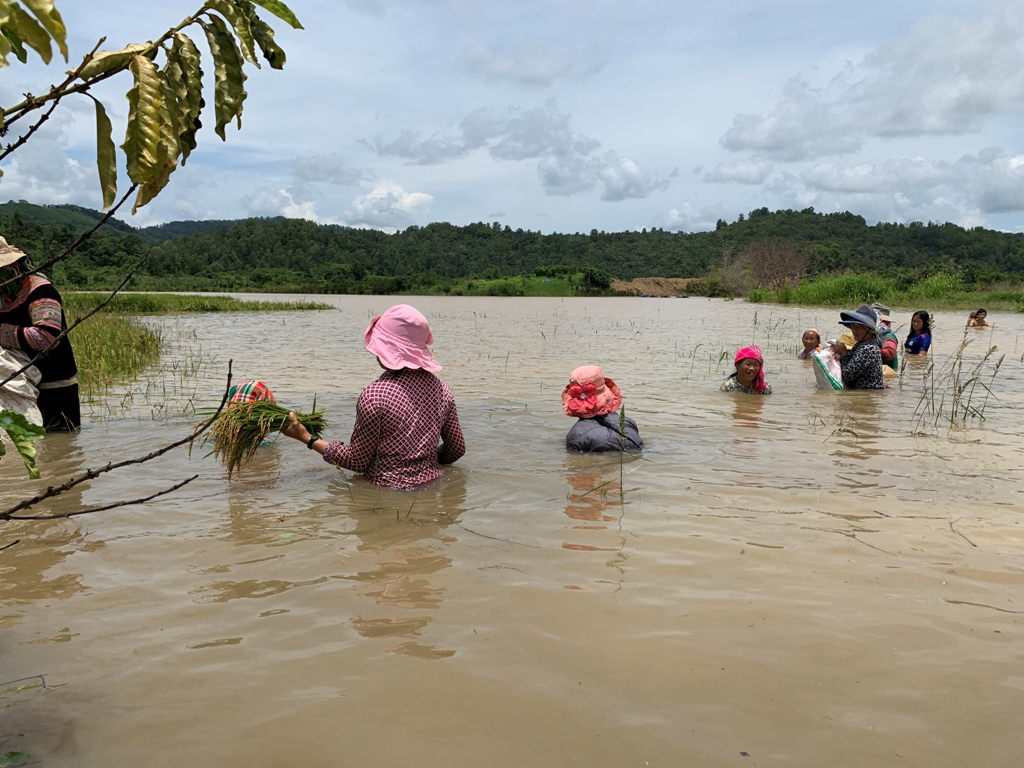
[{"x": 944, "y": 290}]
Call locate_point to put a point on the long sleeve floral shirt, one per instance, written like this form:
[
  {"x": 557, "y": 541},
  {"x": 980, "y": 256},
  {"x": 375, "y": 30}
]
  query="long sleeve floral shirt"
[{"x": 862, "y": 366}]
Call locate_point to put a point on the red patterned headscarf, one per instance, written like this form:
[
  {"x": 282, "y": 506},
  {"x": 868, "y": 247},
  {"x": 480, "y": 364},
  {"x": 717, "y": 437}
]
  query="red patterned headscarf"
[{"x": 753, "y": 353}]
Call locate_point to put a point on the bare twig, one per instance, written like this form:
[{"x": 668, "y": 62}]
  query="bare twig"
[
  {"x": 60, "y": 515},
  {"x": 954, "y": 530}
]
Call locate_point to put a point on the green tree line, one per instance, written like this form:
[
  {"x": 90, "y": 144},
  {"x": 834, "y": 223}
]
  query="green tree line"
[{"x": 282, "y": 255}]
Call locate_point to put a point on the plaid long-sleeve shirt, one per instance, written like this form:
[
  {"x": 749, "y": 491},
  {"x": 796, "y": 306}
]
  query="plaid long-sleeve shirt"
[{"x": 401, "y": 419}]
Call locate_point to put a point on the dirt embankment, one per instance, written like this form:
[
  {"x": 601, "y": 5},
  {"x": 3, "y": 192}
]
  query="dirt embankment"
[{"x": 653, "y": 286}]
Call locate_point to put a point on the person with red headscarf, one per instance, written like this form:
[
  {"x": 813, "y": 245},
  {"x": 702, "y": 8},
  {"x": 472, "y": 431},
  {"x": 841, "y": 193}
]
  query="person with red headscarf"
[{"x": 749, "y": 376}]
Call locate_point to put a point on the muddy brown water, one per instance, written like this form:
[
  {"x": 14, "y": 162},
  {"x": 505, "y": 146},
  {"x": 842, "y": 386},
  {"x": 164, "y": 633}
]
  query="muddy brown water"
[{"x": 802, "y": 579}]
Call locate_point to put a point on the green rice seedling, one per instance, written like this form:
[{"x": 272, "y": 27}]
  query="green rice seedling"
[
  {"x": 111, "y": 349},
  {"x": 240, "y": 429}
]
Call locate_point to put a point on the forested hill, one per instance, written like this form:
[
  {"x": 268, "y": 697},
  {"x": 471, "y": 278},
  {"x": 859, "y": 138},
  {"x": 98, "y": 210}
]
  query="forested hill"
[{"x": 294, "y": 254}]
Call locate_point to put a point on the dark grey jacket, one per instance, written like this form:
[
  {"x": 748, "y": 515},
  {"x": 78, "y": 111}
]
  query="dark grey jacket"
[{"x": 601, "y": 433}]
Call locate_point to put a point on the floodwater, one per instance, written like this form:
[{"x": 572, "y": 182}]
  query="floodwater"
[{"x": 803, "y": 579}]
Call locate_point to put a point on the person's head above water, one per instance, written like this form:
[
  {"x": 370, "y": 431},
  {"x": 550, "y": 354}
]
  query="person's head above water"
[
  {"x": 750, "y": 368},
  {"x": 589, "y": 393},
  {"x": 920, "y": 322},
  {"x": 399, "y": 339}
]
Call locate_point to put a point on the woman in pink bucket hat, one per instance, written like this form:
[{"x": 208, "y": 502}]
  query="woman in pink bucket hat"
[
  {"x": 406, "y": 423},
  {"x": 594, "y": 400}
]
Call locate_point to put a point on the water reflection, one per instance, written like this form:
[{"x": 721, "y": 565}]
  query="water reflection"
[
  {"x": 405, "y": 532},
  {"x": 26, "y": 567},
  {"x": 746, "y": 415}
]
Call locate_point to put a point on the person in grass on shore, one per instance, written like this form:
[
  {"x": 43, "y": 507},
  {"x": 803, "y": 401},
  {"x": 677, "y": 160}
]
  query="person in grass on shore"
[
  {"x": 979, "y": 319},
  {"x": 919, "y": 340},
  {"x": 862, "y": 365},
  {"x": 812, "y": 343},
  {"x": 594, "y": 400},
  {"x": 749, "y": 375},
  {"x": 888, "y": 342},
  {"x": 31, "y": 319},
  {"x": 406, "y": 422}
]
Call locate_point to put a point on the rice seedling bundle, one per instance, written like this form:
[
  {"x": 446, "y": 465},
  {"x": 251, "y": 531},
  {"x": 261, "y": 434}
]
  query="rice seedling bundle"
[{"x": 240, "y": 429}]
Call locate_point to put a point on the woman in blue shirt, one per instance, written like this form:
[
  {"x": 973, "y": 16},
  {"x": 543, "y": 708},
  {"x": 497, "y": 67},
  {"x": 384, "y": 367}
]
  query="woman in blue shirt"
[{"x": 920, "y": 337}]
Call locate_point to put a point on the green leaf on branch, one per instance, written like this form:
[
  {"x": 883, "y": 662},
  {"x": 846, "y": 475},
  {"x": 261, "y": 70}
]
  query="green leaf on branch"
[
  {"x": 23, "y": 27},
  {"x": 109, "y": 61},
  {"x": 229, "y": 79},
  {"x": 144, "y": 143},
  {"x": 106, "y": 156},
  {"x": 22, "y": 434},
  {"x": 282, "y": 11},
  {"x": 239, "y": 20},
  {"x": 11, "y": 42},
  {"x": 51, "y": 20},
  {"x": 264, "y": 35},
  {"x": 184, "y": 74}
]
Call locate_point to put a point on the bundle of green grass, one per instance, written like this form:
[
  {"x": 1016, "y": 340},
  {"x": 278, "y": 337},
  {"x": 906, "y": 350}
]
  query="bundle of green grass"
[{"x": 239, "y": 429}]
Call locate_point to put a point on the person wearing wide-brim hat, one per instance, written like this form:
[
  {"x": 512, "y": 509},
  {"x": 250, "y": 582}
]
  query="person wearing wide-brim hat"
[
  {"x": 594, "y": 400},
  {"x": 31, "y": 320},
  {"x": 888, "y": 342},
  {"x": 862, "y": 365},
  {"x": 406, "y": 422}
]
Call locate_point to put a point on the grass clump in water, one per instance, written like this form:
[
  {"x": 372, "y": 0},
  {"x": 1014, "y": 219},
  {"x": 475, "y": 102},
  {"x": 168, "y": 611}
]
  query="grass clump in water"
[
  {"x": 170, "y": 303},
  {"x": 240, "y": 429},
  {"x": 111, "y": 349}
]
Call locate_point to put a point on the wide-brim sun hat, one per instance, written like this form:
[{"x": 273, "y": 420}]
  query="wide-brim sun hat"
[
  {"x": 881, "y": 310},
  {"x": 399, "y": 339},
  {"x": 8, "y": 253},
  {"x": 590, "y": 393},
  {"x": 863, "y": 315}
]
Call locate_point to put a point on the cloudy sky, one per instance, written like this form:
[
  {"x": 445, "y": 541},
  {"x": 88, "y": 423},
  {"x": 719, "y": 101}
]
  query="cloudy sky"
[{"x": 573, "y": 115}]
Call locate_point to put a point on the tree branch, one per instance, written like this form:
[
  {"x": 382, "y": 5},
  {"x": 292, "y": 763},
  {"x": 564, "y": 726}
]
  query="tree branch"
[
  {"x": 60, "y": 515},
  {"x": 93, "y": 473}
]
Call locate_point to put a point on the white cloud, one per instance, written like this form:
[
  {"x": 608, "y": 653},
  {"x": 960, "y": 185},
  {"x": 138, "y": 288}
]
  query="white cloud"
[
  {"x": 687, "y": 218},
  {"x": 568, "y": 162},
  {"x": 41, "y": 171},
  {"x": 752, "y": 171},
  {"x": 387, "y": 207},
  {"x": 530, "y": 64},
  {"x": 330, "y": 169},
  {"x": 945, "y": 77}
]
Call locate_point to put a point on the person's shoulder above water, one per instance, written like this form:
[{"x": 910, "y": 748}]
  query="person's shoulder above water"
[
  {"x": 595, "y": 400},
  {"x": 602, "y": 434}
]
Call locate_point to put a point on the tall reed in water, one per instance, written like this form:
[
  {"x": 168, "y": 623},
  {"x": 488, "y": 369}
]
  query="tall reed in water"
[{"x": 957, "y": 393}]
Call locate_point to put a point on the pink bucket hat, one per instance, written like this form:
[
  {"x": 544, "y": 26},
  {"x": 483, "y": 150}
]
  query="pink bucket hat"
[
  {"x": 590, "y": 394},
  {"x": 399, "y": 338}
]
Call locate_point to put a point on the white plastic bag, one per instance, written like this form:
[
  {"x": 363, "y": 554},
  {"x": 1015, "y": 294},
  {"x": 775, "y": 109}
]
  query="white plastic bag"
[{"x": 827, "y": 373}]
